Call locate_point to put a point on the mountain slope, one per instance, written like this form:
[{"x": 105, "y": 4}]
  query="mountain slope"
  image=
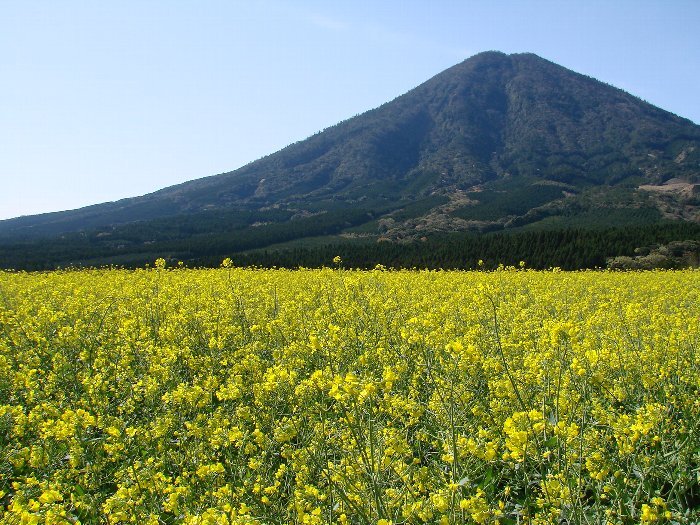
[{"x": 495, "y": 141}]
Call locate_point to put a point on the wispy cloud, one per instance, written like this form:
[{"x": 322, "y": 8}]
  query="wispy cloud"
[
  {"x": 300, "y": 14},
  {"x": 326, "y": 22},
  {"x": 386, "y": 36}
]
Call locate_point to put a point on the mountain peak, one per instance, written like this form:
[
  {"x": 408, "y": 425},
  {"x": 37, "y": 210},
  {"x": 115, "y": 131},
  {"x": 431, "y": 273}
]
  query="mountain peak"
[
  {"x": 499, "y": 57},
  {"x": 488, "y": 55}
]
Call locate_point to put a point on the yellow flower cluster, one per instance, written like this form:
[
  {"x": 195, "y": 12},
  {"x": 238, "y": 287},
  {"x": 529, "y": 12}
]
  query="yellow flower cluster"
[{"x": 245, "y": 396}]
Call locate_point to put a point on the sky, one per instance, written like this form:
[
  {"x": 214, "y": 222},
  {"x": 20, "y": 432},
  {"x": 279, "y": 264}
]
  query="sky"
[{"x": 102, "y": 100}]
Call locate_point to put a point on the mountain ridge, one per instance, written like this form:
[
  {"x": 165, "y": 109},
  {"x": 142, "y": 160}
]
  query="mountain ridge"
[{"x": 496, "y": 141}]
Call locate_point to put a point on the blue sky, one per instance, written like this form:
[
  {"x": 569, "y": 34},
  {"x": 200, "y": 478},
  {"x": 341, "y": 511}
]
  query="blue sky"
[{"x": 102, "y": 100}]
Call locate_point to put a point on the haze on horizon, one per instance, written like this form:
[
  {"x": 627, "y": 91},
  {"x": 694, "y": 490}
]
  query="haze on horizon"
[{"x": 104, "y": 101}]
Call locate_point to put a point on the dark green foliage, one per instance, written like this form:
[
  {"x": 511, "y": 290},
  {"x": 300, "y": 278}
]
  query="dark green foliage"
[
  {"x": 418, "y": 208},
  {"x": 570, "y": 249},
  {"x": 494, "y": 204}
]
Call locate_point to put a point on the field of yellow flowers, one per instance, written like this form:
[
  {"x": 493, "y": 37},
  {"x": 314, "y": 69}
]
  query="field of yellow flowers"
[{"x": 244, "y": 396}]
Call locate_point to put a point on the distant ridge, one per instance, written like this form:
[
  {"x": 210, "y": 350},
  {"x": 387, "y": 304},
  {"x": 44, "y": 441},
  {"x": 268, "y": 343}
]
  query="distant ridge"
[{"x": 495, "y": 142}]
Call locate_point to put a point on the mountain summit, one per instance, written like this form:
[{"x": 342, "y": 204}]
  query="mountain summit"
[{"x": 496, "y": 141}]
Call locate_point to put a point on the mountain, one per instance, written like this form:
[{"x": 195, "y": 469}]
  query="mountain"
[{"x": 494, "y": 143}]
